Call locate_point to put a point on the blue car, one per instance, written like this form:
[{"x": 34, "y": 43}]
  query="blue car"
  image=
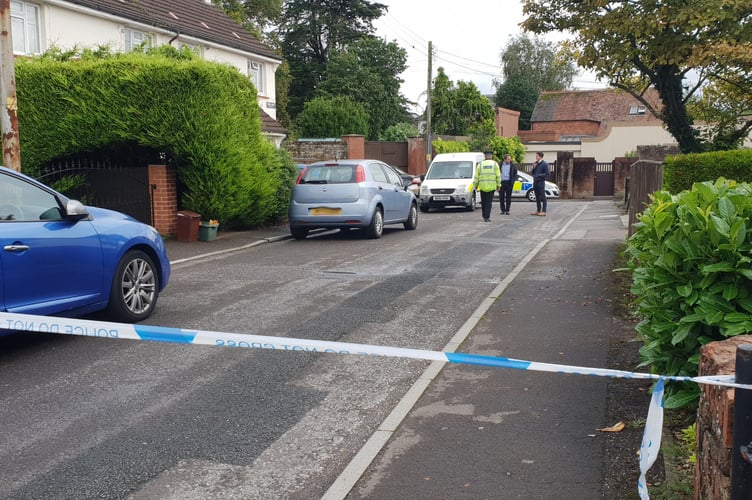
[
  {"x": 351, "y": 194},
  {"x": 61, "y": 258}
]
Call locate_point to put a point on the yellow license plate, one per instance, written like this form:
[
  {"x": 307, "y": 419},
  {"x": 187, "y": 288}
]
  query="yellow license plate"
[{"x": 326, "y": 211}]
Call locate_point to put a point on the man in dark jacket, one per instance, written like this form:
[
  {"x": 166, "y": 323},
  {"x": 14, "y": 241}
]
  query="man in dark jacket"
[
  {"x": 508, "y": 178},
  {"x": 540, "y": 174}
]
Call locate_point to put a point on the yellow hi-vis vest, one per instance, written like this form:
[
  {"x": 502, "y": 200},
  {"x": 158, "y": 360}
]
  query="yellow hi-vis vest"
[{"x": 489, "y": 176}]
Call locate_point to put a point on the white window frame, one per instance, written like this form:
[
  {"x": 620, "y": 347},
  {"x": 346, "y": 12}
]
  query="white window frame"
[
  {"x": 133, "y": 38},
  {"x": 25, "y": 27},
  {"x": 637, "y": 110},
  {"x": 256, "y": 74}
]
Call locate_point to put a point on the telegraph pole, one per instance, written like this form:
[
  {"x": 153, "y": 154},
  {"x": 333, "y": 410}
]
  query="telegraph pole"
[
  {"x": 8, "y": 112},
  {"x": 429, "y": 148}
]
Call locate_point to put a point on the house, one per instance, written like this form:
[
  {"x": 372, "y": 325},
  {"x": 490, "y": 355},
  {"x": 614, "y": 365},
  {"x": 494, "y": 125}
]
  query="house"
[
  {"x": 124, "y": 24},
  {"x": 601, "y": 124}
]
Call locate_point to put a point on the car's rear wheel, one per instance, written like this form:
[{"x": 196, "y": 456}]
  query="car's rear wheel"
[
  {"x": 135, "y": 288},
  {"x": 412, "y": 218},
  {"x": 530, "y": 195},
  {"x": 376, "y": 229},
  {"x": 298, "y": 233}
]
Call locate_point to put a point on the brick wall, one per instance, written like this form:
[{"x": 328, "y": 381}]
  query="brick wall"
[
  {"x": 715, "y": 418},
  {"x": 164, "y": 199}
]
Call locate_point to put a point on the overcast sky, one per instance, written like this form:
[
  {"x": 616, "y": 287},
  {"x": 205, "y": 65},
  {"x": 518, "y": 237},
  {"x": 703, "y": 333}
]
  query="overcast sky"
[{"x": 467, "y": 35}]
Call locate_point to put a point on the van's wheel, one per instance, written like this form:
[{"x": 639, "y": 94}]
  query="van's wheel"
[
  {"x": 424, "y": 209},
  {"x": 471, "y": 206},
  {"x": 376, "y": 229}
]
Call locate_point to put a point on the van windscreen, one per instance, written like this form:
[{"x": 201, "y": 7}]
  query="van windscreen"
[{"x": 451, "y": 170}]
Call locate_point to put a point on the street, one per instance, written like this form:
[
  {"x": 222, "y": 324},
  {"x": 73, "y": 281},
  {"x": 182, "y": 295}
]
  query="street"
[{"x": 97, "y": 418}]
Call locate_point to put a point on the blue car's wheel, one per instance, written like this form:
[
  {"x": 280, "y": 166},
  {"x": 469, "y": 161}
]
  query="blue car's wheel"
[
  {"x": 376, "y": 229},
  {"x": 135, "y": 288}
]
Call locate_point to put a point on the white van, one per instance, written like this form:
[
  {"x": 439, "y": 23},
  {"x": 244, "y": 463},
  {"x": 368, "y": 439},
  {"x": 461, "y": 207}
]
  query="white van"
[{"x": 450, "y": 181}]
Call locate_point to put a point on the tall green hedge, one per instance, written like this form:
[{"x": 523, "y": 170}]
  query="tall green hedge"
[
  {"x": 204, "y": 115},
  {"x": 682, "y": 171}
]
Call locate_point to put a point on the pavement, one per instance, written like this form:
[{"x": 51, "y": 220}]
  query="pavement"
[{"x": 478, "y": 432}]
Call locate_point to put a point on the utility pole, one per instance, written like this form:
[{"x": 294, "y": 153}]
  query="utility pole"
[
  {"x": 429, "y": 148},
  {"x": 8, "y": 112}
]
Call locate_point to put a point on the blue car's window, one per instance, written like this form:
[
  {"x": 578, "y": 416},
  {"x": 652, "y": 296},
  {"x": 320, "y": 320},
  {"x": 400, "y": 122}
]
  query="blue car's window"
[
  {"x": 377, "y": 174},
  {"x": 21, "y": 201},
  {"x": 329, "y": 174}
]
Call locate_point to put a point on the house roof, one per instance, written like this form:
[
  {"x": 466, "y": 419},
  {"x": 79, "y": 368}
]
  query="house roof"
[
  {"x": 194, "y": 18},
  {"x": 270, "y": 125},
  {"x": 601, "y": 106}
]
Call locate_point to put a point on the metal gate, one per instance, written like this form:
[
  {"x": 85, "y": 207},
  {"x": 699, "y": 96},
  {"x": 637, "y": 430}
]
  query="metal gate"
[
  {"x": 103, "y": 183},
  {"x": 604, "y": 179}
]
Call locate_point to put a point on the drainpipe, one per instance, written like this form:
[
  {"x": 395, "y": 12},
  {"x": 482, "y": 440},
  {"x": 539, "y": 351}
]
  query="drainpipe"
[{"x": 177, "y": 34}]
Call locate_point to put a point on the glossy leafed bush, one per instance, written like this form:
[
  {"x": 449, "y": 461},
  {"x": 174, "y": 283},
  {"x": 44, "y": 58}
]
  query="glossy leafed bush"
[{"x": 691, "y": 276}]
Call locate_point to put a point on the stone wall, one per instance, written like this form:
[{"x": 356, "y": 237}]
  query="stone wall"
[
  {"x": 658, "y": 152},
  {"x": 715, "y": 419},
  {"x": 312, "y": 151}
]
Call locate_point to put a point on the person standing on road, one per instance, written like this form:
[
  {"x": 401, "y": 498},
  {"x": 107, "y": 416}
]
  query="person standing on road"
[
  {"x": 489, "y": 181},
  {"x": 540, "y": 174},
  {"x": 508, "y": 177}
]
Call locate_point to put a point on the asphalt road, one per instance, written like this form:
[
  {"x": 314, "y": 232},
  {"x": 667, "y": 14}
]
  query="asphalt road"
[{"x": 95, "y": 418}]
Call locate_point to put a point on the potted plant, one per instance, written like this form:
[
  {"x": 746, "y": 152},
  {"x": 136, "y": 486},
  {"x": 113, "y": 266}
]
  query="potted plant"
[{"x": 207, "y": 230}]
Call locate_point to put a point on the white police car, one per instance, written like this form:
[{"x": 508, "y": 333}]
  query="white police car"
[{"x": 523, "y": 187}]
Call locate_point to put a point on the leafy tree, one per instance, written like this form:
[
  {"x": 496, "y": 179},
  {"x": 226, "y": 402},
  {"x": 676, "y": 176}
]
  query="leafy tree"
[
  {"x": 367, "y": 72},
  {"x": 676, "y": 46},
  {"x": 531, "y": 65},
  {"x": 256, "y": 16},
  {"x": 311, "y": 31},
  {"x": 332, "y": 117},
  {"x": 399, "y": 132},
  {"x": 457, "y": 110}
]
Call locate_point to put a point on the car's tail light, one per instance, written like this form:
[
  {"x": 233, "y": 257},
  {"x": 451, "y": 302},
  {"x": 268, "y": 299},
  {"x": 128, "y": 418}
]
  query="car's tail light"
[
  {"x": 360, "y": 174},
  {"x": 300, "y": 175}
]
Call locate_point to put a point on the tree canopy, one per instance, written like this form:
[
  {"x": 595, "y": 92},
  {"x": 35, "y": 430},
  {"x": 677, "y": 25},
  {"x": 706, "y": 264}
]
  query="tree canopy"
[
  {"x": 311, "y": 31},
  {"x": 458, "y": 109},
  {"x": 366, "y": 72},
  {"x": 676, "y": 46},
  {"x": 332, "y": 117},
  {"x": 531, "y": 65},
  {"x": 256, "y": 16}
]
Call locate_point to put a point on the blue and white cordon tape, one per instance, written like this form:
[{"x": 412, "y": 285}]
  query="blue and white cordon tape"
[{"x": 653, "y": 426}]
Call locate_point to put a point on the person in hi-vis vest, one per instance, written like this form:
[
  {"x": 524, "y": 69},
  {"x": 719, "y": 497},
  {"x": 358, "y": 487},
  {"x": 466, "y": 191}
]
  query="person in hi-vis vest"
[{"x": 489, "y": 181}]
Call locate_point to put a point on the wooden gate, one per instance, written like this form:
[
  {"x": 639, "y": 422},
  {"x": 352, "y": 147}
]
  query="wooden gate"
[
  {"x": 604, "y": 179},
  {"x": 393, "y": 153}
]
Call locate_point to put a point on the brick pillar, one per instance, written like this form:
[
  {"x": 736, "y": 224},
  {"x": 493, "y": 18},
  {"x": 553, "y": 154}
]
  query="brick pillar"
[
  {"x": 164, "y": 199},
  {"x": 416, "y": 156},
  {"x": 356, "y": 146},
  {"x": 715, "y": 418}
]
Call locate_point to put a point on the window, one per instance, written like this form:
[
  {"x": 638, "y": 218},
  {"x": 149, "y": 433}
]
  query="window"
[
  {"x": 24, "y": 18},
  {"x": 256, "y": 75},
  {"x": 637, "y": 110},
  {"x": 134, "y": 38}
]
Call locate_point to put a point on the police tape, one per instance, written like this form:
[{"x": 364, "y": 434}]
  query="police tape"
[
  {"x": 651, "y": 440},
  {"x": 92, "y": 328}
]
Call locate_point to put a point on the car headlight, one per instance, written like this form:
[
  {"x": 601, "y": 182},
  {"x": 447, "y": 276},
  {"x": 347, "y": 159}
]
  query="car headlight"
[
  {"x": 424, "y": 190},
  {"x": 461, "y": 189}
]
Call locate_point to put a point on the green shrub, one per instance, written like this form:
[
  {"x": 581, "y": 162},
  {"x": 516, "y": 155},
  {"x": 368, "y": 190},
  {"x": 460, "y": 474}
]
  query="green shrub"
[
  {"x": 681, "y": 171},
  {"x": 202, "y": 114},
  {"x": 441, "y": 146},
  {"x": 400, "y": 132},
  {"x": 332, "y": 117},
  {"x": 690, "y": 259},
  {"x": 508, "y": 145}
]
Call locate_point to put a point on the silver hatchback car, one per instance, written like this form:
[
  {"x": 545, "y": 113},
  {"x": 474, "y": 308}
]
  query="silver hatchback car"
[{"x": 344, "y": 194}]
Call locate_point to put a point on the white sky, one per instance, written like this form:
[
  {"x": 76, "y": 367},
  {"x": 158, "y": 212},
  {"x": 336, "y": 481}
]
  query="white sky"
[{"x": 467, "y": 35}]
